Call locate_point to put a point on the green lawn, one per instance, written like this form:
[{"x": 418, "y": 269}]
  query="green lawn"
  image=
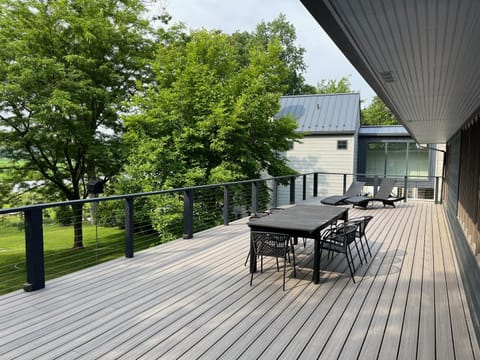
[{"x": 100, "y": 244}]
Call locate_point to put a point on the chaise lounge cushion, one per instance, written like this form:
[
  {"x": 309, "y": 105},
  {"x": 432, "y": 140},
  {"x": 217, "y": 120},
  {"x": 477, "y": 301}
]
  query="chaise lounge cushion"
[{"x": 354, "y": 189}]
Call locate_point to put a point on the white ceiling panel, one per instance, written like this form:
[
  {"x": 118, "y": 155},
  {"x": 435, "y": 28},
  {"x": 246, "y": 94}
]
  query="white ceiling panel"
[{"x": 420, "y": 56}]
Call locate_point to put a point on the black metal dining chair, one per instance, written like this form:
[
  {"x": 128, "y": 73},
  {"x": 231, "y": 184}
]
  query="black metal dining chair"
[
  {"x": 275, "y": 245},
  {"x": 338, "y": 240},
  {"x": 362, "y": 222},
  {"x": 253, "y": 217}
]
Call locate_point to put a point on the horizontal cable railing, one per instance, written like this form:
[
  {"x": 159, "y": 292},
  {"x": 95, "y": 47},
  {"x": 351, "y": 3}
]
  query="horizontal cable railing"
[{"x": 37, "y": 241}]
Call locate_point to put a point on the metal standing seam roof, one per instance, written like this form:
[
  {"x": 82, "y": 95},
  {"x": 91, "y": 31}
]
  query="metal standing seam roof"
[
  {"x": 323, "y": 114},
  {"x": 384, "y": 130}
]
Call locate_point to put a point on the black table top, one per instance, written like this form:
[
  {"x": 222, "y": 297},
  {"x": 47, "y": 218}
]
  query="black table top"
[{"x": 302, "y": 218}]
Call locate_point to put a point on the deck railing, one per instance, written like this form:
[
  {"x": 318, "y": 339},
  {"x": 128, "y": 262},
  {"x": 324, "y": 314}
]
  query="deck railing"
[{"x": 180, "y": 213}]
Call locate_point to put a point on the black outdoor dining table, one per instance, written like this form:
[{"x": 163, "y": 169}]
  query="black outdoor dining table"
[{"x": 300, "y": 221}]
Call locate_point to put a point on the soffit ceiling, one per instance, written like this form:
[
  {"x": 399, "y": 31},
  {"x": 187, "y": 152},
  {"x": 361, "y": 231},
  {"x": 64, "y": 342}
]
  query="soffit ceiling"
[{"x": 422, "y": 57}]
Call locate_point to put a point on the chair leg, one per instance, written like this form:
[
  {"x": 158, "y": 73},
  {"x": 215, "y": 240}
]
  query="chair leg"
[
  {"x": 248, "y": 257},
  {"x": 293, "y": 256},
  {"x": 368, "y": 246},
  {"x": 358, "y": 252},
  {"x": 363, "y": 249},
  {"x": 350, "y": 267},
  {"x": 284, "y": 270},
  {"x": 351, "y": 257}
]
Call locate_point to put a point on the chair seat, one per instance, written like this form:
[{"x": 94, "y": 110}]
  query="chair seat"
[{"x": 271, "y": 249}]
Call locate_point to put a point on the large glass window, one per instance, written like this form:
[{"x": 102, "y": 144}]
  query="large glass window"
[
  {"x": 396, "y": 153},
  {"x": 375, "y": 158},
  {"x": 417, "y": 161},
  {"x": 396, "y": 159}
]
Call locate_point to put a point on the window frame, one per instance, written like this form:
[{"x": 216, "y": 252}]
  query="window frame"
[{"x": 344, "y": 145}]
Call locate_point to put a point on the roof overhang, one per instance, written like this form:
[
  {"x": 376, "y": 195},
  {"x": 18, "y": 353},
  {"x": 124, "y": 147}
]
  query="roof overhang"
[
  {"x": 420, "y": 57},
  {"x": 327, "y": 133}
]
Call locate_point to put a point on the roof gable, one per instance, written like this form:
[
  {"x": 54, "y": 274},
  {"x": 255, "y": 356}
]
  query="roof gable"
[{"x": 323, "y": 114}]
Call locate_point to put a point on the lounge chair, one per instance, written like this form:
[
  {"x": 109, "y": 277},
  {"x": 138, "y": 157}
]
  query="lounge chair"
[
  {"x": 383, "y": 195},
  {"x": 354, "y": 190}
]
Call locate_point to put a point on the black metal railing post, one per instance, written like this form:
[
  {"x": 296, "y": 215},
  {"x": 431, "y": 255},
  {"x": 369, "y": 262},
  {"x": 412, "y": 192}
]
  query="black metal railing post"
[
  {"x": 304, "y": 188},
  {"x": 274, "y": 193},
  {"x": 225, "y": 205},
  {"x": 188, "y": 214},
  {"x": 344, "y": 183},
  {"x": 315, "y": 184},
  {"x": 254, "y": 197},
  {"x": 405, "y": 188},
  {"x": 34, "y": 254},
  {"x": 441, "y": 190},
  {"x": 375, "y": 185},
  {"x": 436, "y": 189},
  {"x": 292, "y": 189},
  {"x": 129, "y": 227}
]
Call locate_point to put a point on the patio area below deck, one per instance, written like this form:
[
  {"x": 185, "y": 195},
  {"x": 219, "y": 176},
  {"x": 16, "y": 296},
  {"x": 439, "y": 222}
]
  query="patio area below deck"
[{"x": 191, "y": 299}]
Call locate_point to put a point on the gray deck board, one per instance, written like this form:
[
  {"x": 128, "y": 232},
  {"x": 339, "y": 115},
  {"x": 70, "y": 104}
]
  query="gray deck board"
[{"x": 192, "y": 299}]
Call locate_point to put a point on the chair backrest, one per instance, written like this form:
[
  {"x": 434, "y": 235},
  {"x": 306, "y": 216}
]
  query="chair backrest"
[
  {"x": 362, "y": 223},
  {"x": 355, "y": 188},
  {"x": 346, "y": 231},
  {"x": 385, "y": 189},
  {"x": 270, "y": 243}
]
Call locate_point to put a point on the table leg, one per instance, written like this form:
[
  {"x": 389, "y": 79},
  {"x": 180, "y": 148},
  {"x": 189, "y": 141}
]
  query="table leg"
[
  {"x": 316, "y": 260},
  {"x": 253, "y": 257}
]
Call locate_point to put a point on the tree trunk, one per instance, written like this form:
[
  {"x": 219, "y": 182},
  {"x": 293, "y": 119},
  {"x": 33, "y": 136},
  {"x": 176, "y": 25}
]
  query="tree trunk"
[
  {"x": 77, "y": 226},
  {"x": 93, "y": 210}
]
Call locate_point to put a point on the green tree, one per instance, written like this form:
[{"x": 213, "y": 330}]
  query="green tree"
[
  {"x": 341, "y": 86},
  {"x": 291, "y": 53},
  {"x": 209, "y": 117},
  {"x": 66, "y": 69},
  {"x": 378, "y": 114}
]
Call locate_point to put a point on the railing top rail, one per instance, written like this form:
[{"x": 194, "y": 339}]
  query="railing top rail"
[{"x": 178, "y": 190}]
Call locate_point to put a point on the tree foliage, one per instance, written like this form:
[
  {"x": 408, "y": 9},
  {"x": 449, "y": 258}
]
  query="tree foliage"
[
  {"x": 378, "y": 114},
  {"x": 341, "y": 86},
  {"x": 209, "y": 116},
  {"x": 291, "y": 54},
  {"x": 66, "y": 68}
]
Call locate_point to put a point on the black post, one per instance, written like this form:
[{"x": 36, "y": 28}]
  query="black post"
[
  {"x": 315, "y": 184},
  {"x": 254, "y": 197},
  {"x": 441, "y": 192},
  {"x": 436, "y": 189},
  {"x": 292, "y": 190},
  {"x": 405, "y": 188},
  {"x": 225, "y": 205},
  {"x": 375, "y": 184},
  {"x": 34, "y": 250},
  {"x": 274, "y": 193},
  {"x": 129, "y": 227},
  {"x": 344, "y": 183},
  {"x": 188, "y": 214},
  {"x": 304, "y": 194}
]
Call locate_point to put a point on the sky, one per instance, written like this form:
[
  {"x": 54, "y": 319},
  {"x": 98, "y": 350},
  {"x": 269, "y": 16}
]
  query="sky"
[{"x": 324, "y": 60}]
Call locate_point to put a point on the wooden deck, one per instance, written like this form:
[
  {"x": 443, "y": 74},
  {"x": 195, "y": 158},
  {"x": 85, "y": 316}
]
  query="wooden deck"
[{"x": 191, "y": 299}]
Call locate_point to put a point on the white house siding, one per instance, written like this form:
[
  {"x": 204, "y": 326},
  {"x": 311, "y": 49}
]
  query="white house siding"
[{"x": 318, "y": 153}]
